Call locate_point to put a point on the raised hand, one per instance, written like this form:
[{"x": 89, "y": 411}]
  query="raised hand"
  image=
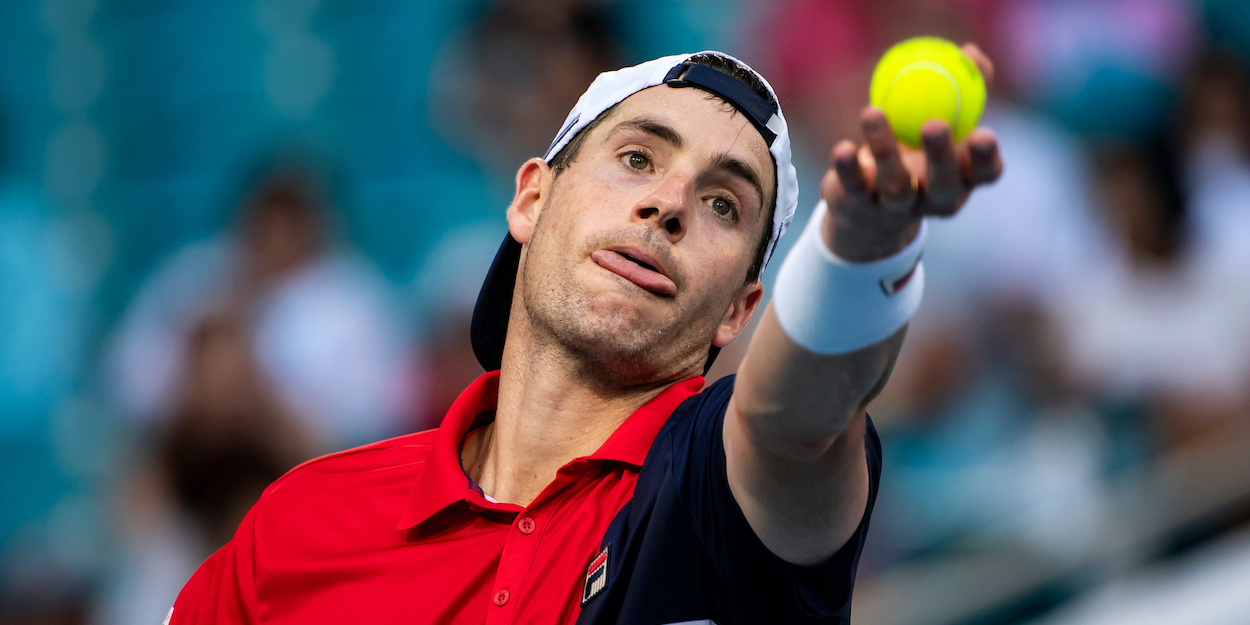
[{"x": 878, "y": 192}]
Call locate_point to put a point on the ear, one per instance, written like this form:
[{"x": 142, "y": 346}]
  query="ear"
[
  {"x": 533, "y": 181},
  {"x": 739, "y": 313}
]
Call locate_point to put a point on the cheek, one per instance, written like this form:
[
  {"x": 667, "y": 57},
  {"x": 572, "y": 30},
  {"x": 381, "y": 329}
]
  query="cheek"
[
  {"x": 724, "y": 248},
  {"x": 718, "y": 268},
  {"x": 583, "y": 211},
  {"x": 608, "y": 178},
  {"x": 567, "y": 223}
]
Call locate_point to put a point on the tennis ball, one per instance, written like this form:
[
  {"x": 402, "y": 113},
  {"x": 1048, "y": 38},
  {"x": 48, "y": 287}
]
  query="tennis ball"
[{"x": 926, "y": 77}]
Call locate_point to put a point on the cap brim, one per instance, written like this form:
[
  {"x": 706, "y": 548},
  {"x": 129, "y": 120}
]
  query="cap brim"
[{"x": 489, "y": 328}]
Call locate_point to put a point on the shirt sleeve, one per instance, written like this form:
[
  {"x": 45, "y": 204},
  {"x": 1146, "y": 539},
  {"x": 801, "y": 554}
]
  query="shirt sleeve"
[
  {"x": 223, "y": 590},
  {"x": 751, "y": 572}
]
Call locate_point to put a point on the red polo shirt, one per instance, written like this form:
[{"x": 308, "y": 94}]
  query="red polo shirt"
[{"x": 396, "y": 532}]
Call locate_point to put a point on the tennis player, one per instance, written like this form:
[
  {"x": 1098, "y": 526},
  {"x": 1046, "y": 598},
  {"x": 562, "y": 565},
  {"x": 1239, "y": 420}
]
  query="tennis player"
[{"x": 589, "y": 477}]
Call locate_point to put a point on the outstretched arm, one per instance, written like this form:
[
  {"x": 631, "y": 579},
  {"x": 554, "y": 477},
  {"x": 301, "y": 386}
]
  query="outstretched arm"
[{"x": 794, "y": 429}]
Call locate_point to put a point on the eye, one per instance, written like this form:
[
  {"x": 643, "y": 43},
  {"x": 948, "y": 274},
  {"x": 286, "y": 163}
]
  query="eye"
[
  {"x": 722, "y": 206},
  {"x": 638, "y": 161}
]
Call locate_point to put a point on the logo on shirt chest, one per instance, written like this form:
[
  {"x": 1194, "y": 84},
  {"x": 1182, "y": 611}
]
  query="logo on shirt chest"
[{"x": 596, "y": 576}]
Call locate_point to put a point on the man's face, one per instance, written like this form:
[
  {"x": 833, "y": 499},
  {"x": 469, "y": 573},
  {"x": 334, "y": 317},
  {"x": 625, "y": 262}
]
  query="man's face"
[{"x": 636, "y": 255}]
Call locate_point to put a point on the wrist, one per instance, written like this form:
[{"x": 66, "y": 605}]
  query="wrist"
[
  {"x": 867, "y": 239},
  {"x": 828, "y": 304}
]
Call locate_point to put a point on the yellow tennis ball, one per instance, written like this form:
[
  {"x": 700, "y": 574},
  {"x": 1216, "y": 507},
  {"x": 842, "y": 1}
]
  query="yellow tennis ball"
[{"x": 926, "y": 77}]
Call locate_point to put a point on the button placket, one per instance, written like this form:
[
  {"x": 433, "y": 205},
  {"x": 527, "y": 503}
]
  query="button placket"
[{"x": 519, "y": 548}]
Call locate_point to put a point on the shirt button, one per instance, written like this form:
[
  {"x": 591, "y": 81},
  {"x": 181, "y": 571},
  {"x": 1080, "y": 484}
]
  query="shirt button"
[
  {"x": 527, "y": 525},
  {"x": 501, "y": 597}
]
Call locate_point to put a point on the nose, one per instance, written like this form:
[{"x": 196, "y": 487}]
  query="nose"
[{"x": 667, "y": 206}]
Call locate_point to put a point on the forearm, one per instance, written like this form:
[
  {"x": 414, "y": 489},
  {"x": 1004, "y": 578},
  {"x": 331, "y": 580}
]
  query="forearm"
[{"x": 796, "y": 402}]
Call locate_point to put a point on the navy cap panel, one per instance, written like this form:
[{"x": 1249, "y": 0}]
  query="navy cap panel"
[
  {"x": 489, "y": 327},
  {"x": 741, "y": 97},
  {"x": 712, "y": 353}
]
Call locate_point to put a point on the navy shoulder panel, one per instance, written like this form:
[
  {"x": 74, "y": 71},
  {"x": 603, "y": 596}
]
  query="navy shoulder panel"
[{"x": 681, "y": 550}]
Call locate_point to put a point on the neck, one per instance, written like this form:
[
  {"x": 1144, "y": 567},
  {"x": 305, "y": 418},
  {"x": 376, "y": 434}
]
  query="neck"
[{"x": 547, "y": 415}]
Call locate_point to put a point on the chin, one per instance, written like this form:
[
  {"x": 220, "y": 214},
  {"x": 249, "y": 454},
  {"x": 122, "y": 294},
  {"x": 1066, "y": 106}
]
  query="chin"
[
  {"x": 625, "y": 354},
  {"x": 613, "y": 341},
  {"x": 615, "y": 330}
]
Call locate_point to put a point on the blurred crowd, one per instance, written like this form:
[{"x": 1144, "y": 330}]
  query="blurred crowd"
[{"x": 218, "y": 261}]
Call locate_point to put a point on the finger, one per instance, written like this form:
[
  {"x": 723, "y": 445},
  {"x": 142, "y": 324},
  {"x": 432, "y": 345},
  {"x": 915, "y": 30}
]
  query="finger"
[
  {"x": 868, "y": 165},
  {"x": 985, "y": 164},
  {"x": 894, "y": 183},
  {"x": 844, "y": 159},
  {"x": 983, "y": 62},
  {"x": 945, "y": 188}
]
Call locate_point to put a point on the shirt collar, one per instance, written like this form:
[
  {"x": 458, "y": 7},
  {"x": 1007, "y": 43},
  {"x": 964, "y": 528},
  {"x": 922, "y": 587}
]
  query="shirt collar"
[
  {"x": 441, "y": 482},
  {"x": 632, "y": 439}
]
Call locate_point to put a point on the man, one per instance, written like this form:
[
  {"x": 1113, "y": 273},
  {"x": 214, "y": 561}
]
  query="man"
[{"x": 589, "y": 480}]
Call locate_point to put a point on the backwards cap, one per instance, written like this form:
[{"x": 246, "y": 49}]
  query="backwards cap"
[{"x": 494, "y": 302}]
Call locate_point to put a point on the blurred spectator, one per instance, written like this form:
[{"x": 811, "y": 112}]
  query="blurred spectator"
[
  {"x": 1214, "y": 138},
  {"x": 242, "y": 356},
  {"x": 229, "y": 439},
  {"x": 320, "y": 321},
  {"x": 505, "y": 86},
  {"x": 1154, "y": 323}
]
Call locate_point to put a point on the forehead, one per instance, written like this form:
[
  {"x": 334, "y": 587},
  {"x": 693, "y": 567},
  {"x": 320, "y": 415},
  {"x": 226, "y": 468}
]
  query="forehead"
[{"x": 707, "y": 123}]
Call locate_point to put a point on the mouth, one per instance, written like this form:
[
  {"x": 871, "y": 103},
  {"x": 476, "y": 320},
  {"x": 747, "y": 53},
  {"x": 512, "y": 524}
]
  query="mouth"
[
  {"x": 640, "y": 263},
  {"x": 633, "y": 266}
]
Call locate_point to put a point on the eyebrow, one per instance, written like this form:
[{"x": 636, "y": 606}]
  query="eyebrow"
[
  {"x": 655, "y": 127},
  {"x": 724, "y": 162}
]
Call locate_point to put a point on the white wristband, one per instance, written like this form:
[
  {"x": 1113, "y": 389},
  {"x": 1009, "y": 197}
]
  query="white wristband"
[{"x": 832, "y": 306}]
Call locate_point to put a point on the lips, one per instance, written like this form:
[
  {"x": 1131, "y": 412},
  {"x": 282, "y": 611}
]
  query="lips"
[{"x": 637, "y": 271}]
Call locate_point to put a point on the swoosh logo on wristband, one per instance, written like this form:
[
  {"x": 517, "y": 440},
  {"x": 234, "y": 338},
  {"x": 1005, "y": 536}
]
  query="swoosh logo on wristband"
[{"x": 891, "y": 285}]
